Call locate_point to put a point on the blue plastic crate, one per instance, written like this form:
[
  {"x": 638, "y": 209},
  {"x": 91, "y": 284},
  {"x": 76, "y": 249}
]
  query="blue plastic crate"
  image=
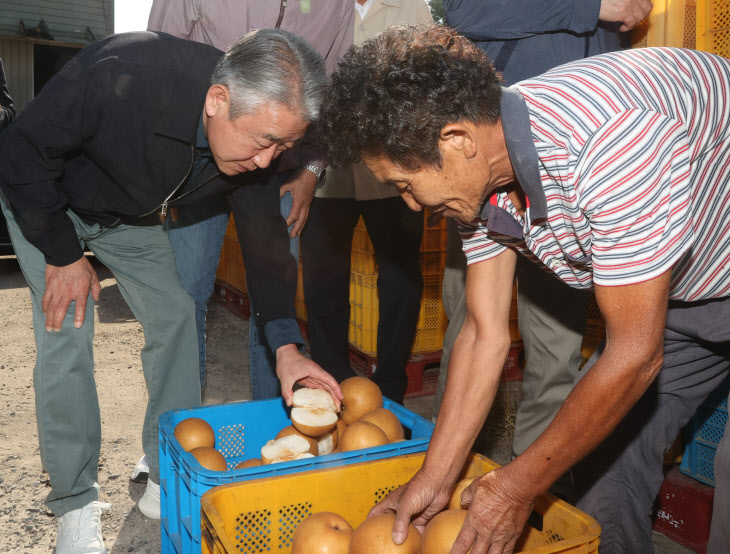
[
  {"x": 703, "y": 434},
  {"x": 241, "y": 429}
]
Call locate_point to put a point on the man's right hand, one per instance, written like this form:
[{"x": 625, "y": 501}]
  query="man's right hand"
[
  {"x": 66, "y": 284},
  {"x": 415, "y": 502},
  {"x": 628, "y": 12}
]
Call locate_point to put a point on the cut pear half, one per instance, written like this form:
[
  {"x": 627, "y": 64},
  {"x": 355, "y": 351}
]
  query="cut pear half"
[
  {"x": 286, "y": 449},
  {"x": 314, "y": 412}
]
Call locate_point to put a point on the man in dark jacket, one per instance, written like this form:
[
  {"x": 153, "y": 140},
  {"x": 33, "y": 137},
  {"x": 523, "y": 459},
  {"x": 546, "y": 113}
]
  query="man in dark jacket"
[{"x": 133, "y": 125}]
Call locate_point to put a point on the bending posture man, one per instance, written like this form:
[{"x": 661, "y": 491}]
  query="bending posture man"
[
  {"x": 525, "y": 42},
  {"x": 197, "y": 237},
  {"x": 608, "y": 173},
  {"x": 133, "y": 125}
]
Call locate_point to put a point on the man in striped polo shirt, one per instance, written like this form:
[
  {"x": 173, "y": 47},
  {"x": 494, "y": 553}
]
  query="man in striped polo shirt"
[{"x": 611, "y": 173}]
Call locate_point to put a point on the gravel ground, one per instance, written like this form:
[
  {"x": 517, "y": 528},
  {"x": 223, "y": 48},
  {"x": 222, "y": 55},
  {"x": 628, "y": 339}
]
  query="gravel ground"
[{"x": 27, "y": 526}]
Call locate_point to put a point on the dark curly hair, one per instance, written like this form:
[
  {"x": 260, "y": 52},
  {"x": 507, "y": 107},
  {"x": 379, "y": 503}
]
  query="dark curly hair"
[{"x": 392, "y": 96}]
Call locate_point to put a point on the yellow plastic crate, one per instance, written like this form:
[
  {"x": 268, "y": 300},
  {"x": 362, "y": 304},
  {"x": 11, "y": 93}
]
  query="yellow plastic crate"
[
  {"x": 230, "y": 268},
  {"x": 365, "y": 313},
  {"x": 670, "y": 23},
  {"x": 433, "y": 249},
  {"x": 713, "y": 26},
  {"x": 262, "y": 515},
  {"x": 234, "y": 270},
  {"x": 362, "y": 258},
  {"x": 231, "y": 229},
  {"x": 432, "y": 320}
]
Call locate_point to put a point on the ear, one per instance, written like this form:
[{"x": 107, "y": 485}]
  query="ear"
[
  {"x": 459, "y": 137},
  {"x": 217, "y": 100}
]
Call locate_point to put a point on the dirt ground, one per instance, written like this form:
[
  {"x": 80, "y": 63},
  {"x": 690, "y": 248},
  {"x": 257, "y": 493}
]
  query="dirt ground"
[{"x": 26, "y": 526}]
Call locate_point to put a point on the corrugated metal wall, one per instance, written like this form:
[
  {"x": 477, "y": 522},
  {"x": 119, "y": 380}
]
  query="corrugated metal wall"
[
  {"x": 17, "y": 56},
  {"x": 66, "y": 19}
]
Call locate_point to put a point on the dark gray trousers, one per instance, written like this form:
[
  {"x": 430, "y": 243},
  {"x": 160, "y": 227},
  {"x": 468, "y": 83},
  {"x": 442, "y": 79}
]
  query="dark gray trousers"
[{"x": 618, "y": 482}]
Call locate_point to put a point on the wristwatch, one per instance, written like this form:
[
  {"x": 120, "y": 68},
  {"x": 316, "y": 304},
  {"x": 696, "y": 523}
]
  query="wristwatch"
[{"x": 319, "y": 172}]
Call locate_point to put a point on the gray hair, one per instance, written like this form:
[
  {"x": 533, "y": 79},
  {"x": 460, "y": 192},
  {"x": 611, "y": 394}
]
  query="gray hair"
[{"x": 272, "y": 66}]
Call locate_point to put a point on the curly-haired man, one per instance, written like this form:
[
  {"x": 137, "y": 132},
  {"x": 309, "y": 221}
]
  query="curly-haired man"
[{"x": 609, "y": 173}]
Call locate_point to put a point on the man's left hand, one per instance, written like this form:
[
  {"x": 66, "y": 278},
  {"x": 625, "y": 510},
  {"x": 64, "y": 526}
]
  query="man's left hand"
[
  {"x": 292, "y": 367},
  {"x": 301, "y": 185},
  {"x": 498, "y": 511}
]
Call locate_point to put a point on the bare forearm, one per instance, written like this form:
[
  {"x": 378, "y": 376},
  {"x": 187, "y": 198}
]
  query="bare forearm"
[{"x": 474, "y": 371}]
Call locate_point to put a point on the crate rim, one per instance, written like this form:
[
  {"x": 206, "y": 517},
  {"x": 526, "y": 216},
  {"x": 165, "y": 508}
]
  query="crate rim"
[
  {"x": 191, "y": 464},
  {"x": 589, "y": 538}
]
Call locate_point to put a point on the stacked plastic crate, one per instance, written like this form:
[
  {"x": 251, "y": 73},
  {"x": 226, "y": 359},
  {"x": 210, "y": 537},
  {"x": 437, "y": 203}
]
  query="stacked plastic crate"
[
  {"x": 713, "y": 26},
  {"x": 364, "y": 312},
  {"x": 672, "y": 23},
  {"x": 230, "y": 267}
]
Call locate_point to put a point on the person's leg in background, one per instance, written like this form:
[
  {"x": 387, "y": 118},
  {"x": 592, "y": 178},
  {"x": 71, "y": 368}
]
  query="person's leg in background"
[
  {"x": 552, "y": 319},
  {"x": 618, "y": 482},
  {"x": 396, "y": 233},
  {"x": 262, "y": 360},
  {"x": 326, "y": 249},
  {"x": 453, "y": 295},
  {"x": 197, "y": 239}
]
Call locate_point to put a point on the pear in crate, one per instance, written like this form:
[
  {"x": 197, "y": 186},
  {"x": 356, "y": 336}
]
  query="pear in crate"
[
  {"x": 322, "y": 533},
  {"x": 455, "y": 498},
  {"x": 387, "y": 421},
  {"x": 210, "y": 458},
  {"x": 375, "y": 536},
  {"x": 441, "y": 532},
  {"x": 286, "y": 449},
  {"x": 313, "y": 412},
  {"x": 194, "y": 432},
  {"x": 291, "y": 430},
  {"x": 360, "y": 396},
  {"x": 362, "y": 434}
]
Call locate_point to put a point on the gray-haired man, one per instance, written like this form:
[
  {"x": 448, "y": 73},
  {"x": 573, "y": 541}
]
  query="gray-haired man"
[{"x": 132, "y": 126}]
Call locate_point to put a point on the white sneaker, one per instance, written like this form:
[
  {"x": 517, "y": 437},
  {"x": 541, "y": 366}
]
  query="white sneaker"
[
  {"x": 149, "y": 504},
  {"x": 79, "y": 531},
  {"x": 141, "y": 471}
]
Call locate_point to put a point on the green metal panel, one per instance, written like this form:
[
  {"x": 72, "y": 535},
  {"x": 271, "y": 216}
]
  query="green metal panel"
[{"x": 67, "y": 20}]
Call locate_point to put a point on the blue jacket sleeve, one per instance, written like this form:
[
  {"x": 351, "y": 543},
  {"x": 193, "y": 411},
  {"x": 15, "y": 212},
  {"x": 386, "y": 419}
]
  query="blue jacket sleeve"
[
  {"x": 281, "y": 332},
  {"x": 484, "y": 20}
]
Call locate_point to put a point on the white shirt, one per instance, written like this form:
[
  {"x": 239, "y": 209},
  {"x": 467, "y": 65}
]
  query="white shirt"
[
  {"x": 362, "y": 10},
  {"x": 631, "y": 160}
]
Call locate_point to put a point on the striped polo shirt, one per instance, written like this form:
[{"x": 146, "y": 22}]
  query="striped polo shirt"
[{"x": 625, "y": 162}]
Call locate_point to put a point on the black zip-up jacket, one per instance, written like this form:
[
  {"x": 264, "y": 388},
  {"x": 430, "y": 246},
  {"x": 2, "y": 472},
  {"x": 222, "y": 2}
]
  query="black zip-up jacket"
[{"x": 112, "y": 137}]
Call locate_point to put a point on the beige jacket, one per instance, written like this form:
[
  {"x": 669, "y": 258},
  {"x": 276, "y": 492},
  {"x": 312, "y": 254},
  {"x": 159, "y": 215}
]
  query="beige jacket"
[{"x": 357, "y": 181}]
